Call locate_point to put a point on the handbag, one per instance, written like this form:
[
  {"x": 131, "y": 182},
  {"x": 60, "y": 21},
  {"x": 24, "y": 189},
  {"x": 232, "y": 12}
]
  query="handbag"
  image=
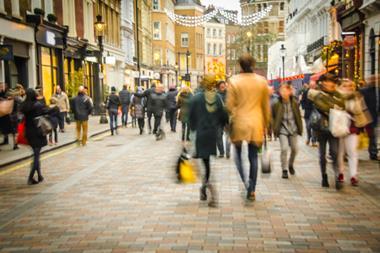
[
  {"x": 266, "y": 164},
  {"x": 43, "y": 125},
  {"x": 363, "y": 141},
  {"x": 185, "y": 170},
  {"x": 21, "y": 138},
  {"x": 6, "y": 107},
  {"x": 339, "y": 123},
  {"x": 317, "y": 122}
]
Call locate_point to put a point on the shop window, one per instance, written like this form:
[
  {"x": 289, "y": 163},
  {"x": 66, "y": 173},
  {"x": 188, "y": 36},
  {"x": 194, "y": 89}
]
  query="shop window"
[{"x": 49, "y": 71}]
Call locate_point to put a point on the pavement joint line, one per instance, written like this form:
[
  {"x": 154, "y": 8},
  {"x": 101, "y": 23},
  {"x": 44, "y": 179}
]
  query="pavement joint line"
[{"x": 59, "y": 187}]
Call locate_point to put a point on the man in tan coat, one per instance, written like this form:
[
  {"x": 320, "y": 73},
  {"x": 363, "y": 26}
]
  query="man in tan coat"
[
  {"x": 248, "y": 105},
  {"x": 63, "y": 105}
]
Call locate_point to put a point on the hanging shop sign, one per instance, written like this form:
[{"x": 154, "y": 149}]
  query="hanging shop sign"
[
  {"x": 49, "y": 38},
  {"x": 6, "y": 52}
]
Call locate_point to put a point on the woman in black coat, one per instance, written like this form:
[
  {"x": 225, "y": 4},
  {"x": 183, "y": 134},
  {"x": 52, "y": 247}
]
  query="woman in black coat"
[
  {"x": 206, "y": 115},
  {"x": 31, "y": 109}
]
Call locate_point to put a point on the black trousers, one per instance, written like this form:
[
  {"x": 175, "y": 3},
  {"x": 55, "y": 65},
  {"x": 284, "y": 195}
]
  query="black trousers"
[
  {"x": 61, "y": 120},
  {"x": 36, "y": 165},
  {"x": 141, "y": 123},
  {"x": 157, "y": 123},
  {"x": 323, "y": 139},
  {"x": 149, "y": 114},
  {"x": 185, "y": 131},
  {"x": 173, "y": 119}
]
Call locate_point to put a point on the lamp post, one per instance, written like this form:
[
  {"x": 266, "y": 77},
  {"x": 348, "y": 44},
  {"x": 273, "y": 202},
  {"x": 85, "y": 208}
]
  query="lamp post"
[
  {"x": 249, "y": 35},
  {"x": 98, "y": 96},
  {"x": 187, "y": 65},
  {"x": 176, "y": 74},
  {"x": 283, "y": 54}
]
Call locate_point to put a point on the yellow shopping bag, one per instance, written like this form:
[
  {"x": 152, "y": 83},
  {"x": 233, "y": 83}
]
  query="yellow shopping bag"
[
  {"x": 187, "y": 172},
  {"x": 363, "y": 141}
]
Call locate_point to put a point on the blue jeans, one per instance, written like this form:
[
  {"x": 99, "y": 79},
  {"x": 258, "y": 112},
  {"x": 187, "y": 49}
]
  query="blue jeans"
[
  {"x": 124, "y": 114},
  {"x": 113, "y": 120},
  {"x": 252, "y": 156},
  {"x": 323, "y": 139}
]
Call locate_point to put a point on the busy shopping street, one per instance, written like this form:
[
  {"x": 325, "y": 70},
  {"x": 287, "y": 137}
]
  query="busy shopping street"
[{"x": 119, "y": 194}]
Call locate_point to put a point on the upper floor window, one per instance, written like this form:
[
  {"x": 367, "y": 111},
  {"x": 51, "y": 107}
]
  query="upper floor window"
[
  {"x": 157, "y": 30},
  {"x": 259, "y": 7},
  {"x": 220, "y": 32},
  {"x": 208, "y": 32},
  {"x": 214, "y": 32},
  {"x": 156, "y": 4},
  {"x": 184, "y": 40},
  {"x": 282, "y": 6},
  {"x": 208, "y": 48},
  {"x": 220, "y": 49}
]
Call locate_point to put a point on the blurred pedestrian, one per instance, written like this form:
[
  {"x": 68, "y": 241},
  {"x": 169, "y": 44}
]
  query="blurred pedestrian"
[
  {"x": 308, "y": 108},
  {"x": 125, "y": 100},
  {"x": 371, "y": 95},
  {"x": 224, "y": 147},
  {"x": 183, "y": 101},
  {"x": 248, "y": 105},
  {"x": 172, "y": 107},
  {"x": 33, "y": 108},
  {"x": 113, "y": 103},
  {"x": 287, "y": 125},
  {"x": 324, "y": 99},
  {"x": 40, "y": 95},
  {"x": 138, "y": 108},
  {"x": 158, "y": 106},
  {"x": 54, "y": 119},
  {"x": 358, "y": 111},
  {"x": 82, "y": 108},
  {"x": 149, "y": 108},
  {"x": 6, "y": 123},
  {"x": 206, "y": 115},
  {"x": 63, "y": 104}
]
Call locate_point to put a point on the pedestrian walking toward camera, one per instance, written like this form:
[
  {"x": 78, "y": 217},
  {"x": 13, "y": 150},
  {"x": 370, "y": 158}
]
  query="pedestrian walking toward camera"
[
  {"x": 125, "y": 100},
  {"x": 54, "y": 119},
  {"x": 113, "y": 103},
  {"x": 82, "y": 108},
  {"x": 206, "y": 116},
  {"x": 158, "y": 106},
  {"x": 360, "y": 117},
  {"x": 324, "y": 99},
  {"x": 148, "y": 101},
  {"x": 308, "y": 108},
  {"x": 248, "y": 105},
  {"x": 138, "y": 108},
  {"x": 63, "y": 104},
  {"x": 224, "y": 145},
  {"x": 183, "y": 101},
  {"x": 287, "y": 125},
  {"x": 172, "y": 108},
  {"x": 33, "y": 109}
]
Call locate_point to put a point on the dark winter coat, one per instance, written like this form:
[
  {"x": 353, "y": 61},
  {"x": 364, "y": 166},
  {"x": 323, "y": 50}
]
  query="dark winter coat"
[
  {"x": 206, "y": 124},
  {"x": 158, "y": 103},
  {"x": 183, "y": 105},
  {"x": 32, "y": 133},
  {"x": 125, "y": 97},
  {"x": 54, "y": 116},
  {"x": 138, "y": 107},
  {"x": 306, "y": 104},
  {"x": 171, "y": 99},
  {"x": 369, "y": 94},
  {"x": 278, "y": 113},
  {"x": 148, "y": 96},
  {"x": 82, "y": 107},
  {"x": 113, "y": 103}
]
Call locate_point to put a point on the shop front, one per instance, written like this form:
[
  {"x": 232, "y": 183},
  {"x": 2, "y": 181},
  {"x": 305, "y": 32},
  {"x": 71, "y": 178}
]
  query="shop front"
[
  {"x": 50, "y": 58},
  {"x": 17, "y": 54}
]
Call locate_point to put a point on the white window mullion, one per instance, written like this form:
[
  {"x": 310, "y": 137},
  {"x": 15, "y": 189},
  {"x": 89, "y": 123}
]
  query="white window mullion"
[{"x": 36, "y": 4}]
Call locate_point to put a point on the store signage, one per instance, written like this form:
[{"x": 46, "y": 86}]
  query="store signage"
[
  {"x": 91, "y": 59},
  {"x": 156, "y": 76},
  {"x": 110, "y": 60},
  {"x": 50, "y": 38},
  {"x": 6, "y": 52}
]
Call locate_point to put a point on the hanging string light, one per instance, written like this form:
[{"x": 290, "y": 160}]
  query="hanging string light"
[{"x": 191, "y": 21}]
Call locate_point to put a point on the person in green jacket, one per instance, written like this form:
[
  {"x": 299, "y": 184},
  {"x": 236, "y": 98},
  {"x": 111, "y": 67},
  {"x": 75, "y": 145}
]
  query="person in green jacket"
[
  {"x": 324, "y": 99},
  {"x": 287, "y": 125}
]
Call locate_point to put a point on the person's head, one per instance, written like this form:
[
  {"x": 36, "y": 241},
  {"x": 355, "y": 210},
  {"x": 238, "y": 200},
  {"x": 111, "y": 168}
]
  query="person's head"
[
  {"x": 125, "y": 87},
  {"x": 347, "y": 86},
  {"x": 328, "y": 82},
  {"x": 3, "y": 86},
  {"x": 53, "y": 101},
  {"x": 153, "y": 85},
  {"x": 247, "y": 63},
  {"x": 20, "y": 89},
  {"x": 58, "y": 89},
  {"x": 139, "y": 89},
  {"x": 172, "y": 87},
  {"x": 31, "y": 95},
  {"x": 209, "y": 82},
  {"x": 222, "y": 85},
  {"x": 81, "y": 90},
  {"x": 113, "y": 90},
  {"x": 286, "y": 91},
  {"x": 312, "y": 84},
  {"x": 159, "y": 88},
  {"x": 85, "y": 90}
]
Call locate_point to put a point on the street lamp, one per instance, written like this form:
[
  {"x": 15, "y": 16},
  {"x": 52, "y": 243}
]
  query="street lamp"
[
  {"x": 283, "y": 54},
  {"x": 249, "y": 35},
  {"x": 176, "y": 74},
  {"x": 99, "y": 27},
  {"x": 187, "y": 65}
]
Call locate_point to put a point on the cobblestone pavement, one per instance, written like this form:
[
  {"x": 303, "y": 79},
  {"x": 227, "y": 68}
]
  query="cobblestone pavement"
[{"x": 118, "y": 195}]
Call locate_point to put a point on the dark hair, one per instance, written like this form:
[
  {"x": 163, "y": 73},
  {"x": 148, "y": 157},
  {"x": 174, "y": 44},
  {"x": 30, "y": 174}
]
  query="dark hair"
[
  {"x": 328, "y": 77},
  {"x": 219, "y": 83},
  {"x": 30, "y": 99},
  {"x": 247, "y": 63}
]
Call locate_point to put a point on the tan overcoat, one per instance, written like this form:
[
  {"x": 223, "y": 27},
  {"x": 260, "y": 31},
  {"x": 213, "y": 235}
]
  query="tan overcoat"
[{"x": 248, "y": 105}]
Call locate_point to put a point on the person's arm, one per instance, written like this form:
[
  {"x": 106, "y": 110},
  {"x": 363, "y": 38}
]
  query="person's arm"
[
  {"x": 67, "y": 102},
  {"x": 265, "y": 106}
]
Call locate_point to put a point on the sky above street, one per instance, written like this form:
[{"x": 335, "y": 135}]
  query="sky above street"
[{"x": 226, "y": 4}]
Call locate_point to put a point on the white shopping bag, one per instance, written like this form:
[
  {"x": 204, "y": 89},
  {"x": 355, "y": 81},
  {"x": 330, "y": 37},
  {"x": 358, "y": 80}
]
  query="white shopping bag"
[{"x": 339, "y": 123}]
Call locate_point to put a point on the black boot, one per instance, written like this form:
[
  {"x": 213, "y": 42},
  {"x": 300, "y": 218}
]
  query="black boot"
[
  {"x": 338, "y": 185},
  {"x": 325, "y": 181},
  {"x": 291, "y": 170},
  {"x": 203, "y": 193},
  {"x": 285, "y": 174}
]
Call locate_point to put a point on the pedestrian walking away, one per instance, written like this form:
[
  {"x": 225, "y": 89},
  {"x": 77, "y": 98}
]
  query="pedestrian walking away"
[
  {"x": 287, "y": 125},
  {"x": 63, "y": 104},
  {"x": 113, "y": 103},
  {"x": 248, "y": 95},
  {"x": 325, "y": 98},
  {"x": 54, "y": 119},
  {"x": 149, "y": 107},
  {"x": 138, "y": 109},
  {"x": 125, "y": 100},
  {"x": 172, "y": 107},
  {"x": 183, "y": 100},
  {"x": 82, "y": 108},
  {"x": 206, "y": 115},
  {"x": 308, "y": 108},
  {"x": 158, "y": 106},
  {"x": 223, "y": 144}
]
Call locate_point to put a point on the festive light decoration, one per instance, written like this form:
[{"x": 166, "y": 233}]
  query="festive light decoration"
[{"x": 192, "y": 21}]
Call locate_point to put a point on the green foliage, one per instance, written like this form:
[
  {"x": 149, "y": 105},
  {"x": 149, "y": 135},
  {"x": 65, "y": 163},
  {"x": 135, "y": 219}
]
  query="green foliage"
[{"x": 76, "y": 80}]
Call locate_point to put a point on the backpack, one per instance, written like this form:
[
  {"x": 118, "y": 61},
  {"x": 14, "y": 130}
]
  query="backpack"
[
  {"x": 317, "y": 122},
  {"x": 43, "y": 125}
]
